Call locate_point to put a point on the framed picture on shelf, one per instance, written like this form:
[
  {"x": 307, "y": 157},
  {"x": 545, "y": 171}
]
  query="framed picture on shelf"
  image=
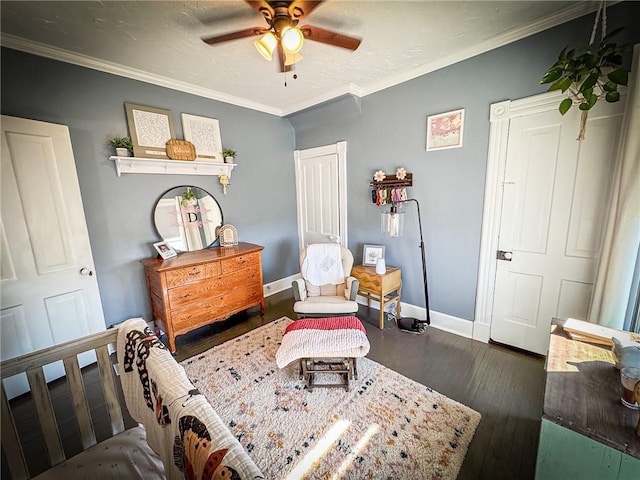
[
  {"x": 165, "y": 250},
  {"x": 371, "y": 254},
  {"x": 150, "y": 129},
  {"x": 204, "y": 133},
  {"x": 445, "y": 130}
]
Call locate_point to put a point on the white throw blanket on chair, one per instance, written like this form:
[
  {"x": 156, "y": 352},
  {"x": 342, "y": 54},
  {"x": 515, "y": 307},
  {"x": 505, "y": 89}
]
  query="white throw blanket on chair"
[{"x": 323, "y": 264}]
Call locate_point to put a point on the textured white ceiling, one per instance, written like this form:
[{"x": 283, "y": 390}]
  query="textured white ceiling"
[{"x": 160, "y": 42}]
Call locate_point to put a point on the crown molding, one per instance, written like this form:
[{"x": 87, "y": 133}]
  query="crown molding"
[
  {"x": 55, "y": 53},
  {"x": 349, "y": 89},
  {"x": 40, "y": 49},
  {"x": 565, "y": 15}
]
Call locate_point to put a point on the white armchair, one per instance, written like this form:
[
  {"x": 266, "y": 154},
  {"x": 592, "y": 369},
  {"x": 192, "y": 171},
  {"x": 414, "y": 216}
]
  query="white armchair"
[{"x": 328, "y": 299}]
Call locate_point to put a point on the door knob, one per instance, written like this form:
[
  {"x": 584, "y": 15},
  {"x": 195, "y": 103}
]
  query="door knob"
[
  {"x": 86, "y": 271},
  {"x": 502, "y": 255}
]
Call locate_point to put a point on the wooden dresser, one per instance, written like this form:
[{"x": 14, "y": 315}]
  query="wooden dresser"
[{"x": 202, "y": 287}]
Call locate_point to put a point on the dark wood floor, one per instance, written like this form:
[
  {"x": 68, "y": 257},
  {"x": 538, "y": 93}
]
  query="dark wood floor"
[{"x": 505, "y": 386}]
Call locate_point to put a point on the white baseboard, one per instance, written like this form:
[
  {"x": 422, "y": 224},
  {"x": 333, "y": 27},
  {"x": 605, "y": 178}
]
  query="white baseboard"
[
  {"x": 441, "y": 321},
  {"x": 451, "y": 324},
  {"x": 279, "y": 285}
]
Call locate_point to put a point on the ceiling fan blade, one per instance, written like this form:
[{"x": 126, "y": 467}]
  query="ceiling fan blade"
[
  {"x": 249, "y": 32},
  {"x": 332, "y": 38},
  {"x": 299, "y": 9},
  {"x": 262, "y": 7}
]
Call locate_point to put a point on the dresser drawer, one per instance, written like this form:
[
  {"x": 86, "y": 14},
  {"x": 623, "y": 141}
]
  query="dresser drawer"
[
  {"x": 374, "y": 283},
  {"x": 192, "y": 274},
  {"x": 211, "y": 287},
  {"x": 368, "y": 281},
  {"x": 236, "y": 263},
  {"x": 215, "y": 308}
]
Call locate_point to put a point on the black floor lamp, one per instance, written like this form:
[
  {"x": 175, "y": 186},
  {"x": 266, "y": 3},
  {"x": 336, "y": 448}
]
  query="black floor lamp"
[{"x": 393, "y": 226}]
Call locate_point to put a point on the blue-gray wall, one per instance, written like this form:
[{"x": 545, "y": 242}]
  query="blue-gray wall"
[
  {"x": 260, "y": 201},
  {"x": 386, "y": 130}
]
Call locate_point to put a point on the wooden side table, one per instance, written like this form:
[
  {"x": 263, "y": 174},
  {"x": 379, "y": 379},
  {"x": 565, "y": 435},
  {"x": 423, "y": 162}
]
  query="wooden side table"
[{"x": 379, "y": 287}]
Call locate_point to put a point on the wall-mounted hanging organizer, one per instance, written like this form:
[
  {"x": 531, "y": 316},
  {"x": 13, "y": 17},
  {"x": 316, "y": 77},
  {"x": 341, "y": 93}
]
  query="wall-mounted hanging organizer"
[{"x": 390, "y": 189}]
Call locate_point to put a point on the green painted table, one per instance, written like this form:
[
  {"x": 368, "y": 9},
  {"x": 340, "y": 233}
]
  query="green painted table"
[{"x": 586, "y": 432}]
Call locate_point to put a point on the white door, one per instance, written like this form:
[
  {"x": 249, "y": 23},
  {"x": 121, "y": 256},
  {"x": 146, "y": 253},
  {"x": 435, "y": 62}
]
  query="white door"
[
  {"x": 555, "y": 195},
  {"x": 321, "y": 194},
  {"x": 49, "y": 288}
]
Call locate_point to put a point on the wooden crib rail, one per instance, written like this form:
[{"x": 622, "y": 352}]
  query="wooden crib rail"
[{"x": 32, "y": 364}]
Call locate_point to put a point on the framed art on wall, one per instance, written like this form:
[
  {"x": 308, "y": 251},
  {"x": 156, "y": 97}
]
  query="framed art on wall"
[
  {"x": 371, "y": 254},
  {"x": 204, "y": 133},
  {"x": 445, "y": 130},
  {"x": 150, "y": 129}
]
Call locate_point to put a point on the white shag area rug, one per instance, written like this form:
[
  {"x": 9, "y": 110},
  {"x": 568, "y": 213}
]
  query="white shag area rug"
[{"x": 386, "y": 427}]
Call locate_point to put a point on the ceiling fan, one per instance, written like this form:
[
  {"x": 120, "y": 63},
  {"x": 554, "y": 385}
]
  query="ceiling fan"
[{"x": 282, "y": 33}]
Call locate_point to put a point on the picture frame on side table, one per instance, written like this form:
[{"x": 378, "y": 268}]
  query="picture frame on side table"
[
  {"x": 150, "y": 129},
  {"x": 204, "y": 133},
  {"x": 165, "y": 250},
  {"x": 445, "y": 130},
  {"x": 371, "y": 254}
]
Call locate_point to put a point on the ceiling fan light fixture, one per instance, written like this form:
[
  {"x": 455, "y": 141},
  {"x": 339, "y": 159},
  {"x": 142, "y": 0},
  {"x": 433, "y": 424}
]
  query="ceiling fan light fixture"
[
  {"x": 292, "y": 39},
  {"x": 291, "y": 58},
  {"x": 266, "y": 45}
]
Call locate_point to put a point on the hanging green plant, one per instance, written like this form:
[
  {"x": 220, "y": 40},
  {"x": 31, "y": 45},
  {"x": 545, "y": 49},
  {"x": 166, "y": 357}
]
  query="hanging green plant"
[{"x": 590, "y": 73}]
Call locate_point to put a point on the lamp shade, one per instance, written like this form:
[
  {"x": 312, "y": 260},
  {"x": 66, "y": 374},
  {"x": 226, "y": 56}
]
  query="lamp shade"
[
  {"x": 292, "y": 39},
  {"x": 291, "y": 58},
  {"x": 266, "y": 45},
  {"x": 392, "y": 222}
]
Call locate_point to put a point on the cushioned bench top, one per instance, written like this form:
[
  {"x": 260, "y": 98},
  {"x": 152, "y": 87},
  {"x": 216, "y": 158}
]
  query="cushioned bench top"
[{"x": 323, "y": 338}]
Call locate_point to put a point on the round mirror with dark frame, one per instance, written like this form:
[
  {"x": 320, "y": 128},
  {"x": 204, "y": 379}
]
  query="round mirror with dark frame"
[{"x": 187, "y": 218}]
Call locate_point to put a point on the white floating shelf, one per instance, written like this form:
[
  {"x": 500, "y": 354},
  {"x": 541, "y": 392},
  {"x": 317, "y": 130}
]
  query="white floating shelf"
[{"x": 170, "y": 167}]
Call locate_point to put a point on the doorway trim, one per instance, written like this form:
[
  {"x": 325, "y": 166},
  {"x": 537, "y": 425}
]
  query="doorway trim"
[
  {"x": 339, "y": 149},
  {"x": 500, "y": 117}
]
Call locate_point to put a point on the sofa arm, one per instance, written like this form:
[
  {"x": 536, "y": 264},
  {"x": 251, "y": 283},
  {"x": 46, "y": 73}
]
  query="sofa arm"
[
  {"x": 353, "y": 285},
  {"x": 299, "y": 290}
]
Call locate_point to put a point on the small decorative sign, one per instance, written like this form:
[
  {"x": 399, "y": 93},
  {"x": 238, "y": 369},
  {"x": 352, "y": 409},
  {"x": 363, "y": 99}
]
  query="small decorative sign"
[
  {"x": 228, "y": 235},
  {"x": 181, "y": 150}
]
